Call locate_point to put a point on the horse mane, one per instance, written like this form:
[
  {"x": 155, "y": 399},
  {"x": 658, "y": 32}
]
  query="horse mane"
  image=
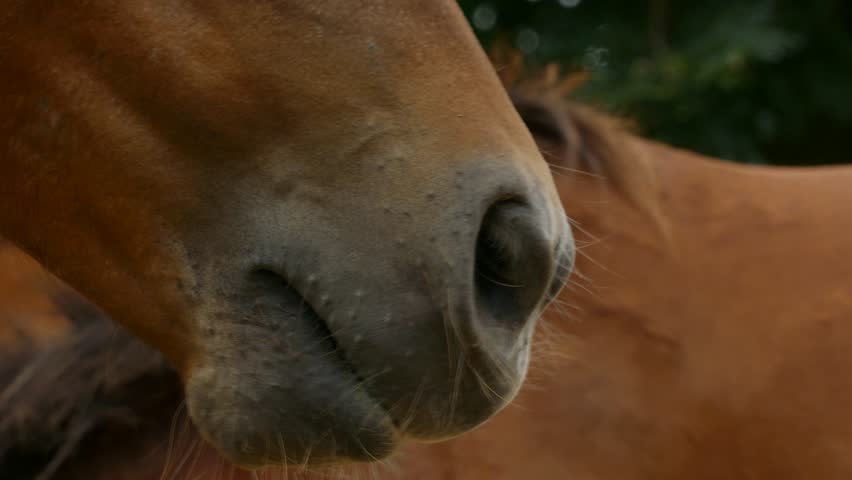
[
  {"x": 576, "y": 138},
  {"x": 54, "y": 398}
]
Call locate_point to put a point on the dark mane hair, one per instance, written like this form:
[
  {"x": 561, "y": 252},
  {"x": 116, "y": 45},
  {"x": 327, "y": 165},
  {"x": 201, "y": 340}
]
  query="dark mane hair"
[{"x": 52, "y": 399}]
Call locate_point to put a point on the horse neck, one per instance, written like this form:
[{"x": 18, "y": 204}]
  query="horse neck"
[{"x": 700, "y": 218}]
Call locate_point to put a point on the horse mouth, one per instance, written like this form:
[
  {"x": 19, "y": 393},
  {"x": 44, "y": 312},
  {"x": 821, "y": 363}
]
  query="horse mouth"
[
  {"x": 286, "y": 393},
  {"x": 307, "y": 312}
]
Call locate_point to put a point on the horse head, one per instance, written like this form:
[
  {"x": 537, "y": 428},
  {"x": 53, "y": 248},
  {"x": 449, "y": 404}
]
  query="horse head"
[{"x": 327, "y": 216}]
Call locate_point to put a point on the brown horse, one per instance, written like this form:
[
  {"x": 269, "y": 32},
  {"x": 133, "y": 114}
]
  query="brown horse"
[
  {"x": 705, "y": 336},
  {"x": 327, "y": 216}
]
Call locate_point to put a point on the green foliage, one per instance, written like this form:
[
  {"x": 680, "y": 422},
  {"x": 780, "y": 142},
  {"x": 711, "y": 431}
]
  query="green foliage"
[{"x": 760, "y": 81}]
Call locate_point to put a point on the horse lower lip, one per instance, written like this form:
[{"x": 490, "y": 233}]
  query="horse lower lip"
[{"x": 301, "y": 384}]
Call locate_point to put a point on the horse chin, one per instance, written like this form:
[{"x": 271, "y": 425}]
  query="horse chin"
[{"x": 277, "y": 390}]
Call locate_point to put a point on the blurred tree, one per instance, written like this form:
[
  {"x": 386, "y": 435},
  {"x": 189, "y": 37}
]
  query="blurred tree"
[{"x": 760, "y": 81}]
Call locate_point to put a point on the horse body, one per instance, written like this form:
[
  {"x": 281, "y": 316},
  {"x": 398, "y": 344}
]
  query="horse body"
[{"x": 270, "y": 193}]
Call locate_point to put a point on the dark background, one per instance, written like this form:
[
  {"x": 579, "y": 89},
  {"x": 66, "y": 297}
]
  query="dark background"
[{"x": 757, "y": 81}]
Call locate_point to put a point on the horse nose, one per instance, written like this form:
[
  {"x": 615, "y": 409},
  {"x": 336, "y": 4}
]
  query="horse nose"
[
  {"x": 519, "y": 257},
  {"x": 518, "y": 262}
]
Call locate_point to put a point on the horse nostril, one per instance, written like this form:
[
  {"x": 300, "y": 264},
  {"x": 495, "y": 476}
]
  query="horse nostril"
[{"x": 514, "y": 262}]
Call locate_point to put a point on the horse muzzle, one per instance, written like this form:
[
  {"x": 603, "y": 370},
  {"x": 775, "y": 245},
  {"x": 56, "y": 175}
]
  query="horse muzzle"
[{"x": 413, "y": 321}]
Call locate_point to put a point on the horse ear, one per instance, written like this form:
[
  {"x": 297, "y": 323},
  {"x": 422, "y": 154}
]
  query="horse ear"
[
  {"x": 551, "y": 128},
  {"x": 574, "y": 138},
  {"x": 541, "y": 99}
]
